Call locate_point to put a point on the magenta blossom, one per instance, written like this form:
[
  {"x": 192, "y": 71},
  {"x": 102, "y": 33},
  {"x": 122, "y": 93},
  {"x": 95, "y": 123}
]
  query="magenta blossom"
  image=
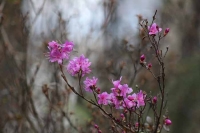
[
  {"x": 58, "y": 52},
  {"x": 115, "y": 101},
  {"x": 121, "y": 90},
  {"x": 79, "y": 65},
  {"x": 54, "y": 53},
  {"x": 52, "y": 45},
  {"x": 129, "y": 104},
  {"x": 90, "y": 84},
  {"x": 103, "y": 98},
  {"x": 124, "y": 90},
  {"x": 116, "y": 83},
  {"x": 66, "y": 48},
  {"x": 135, "y": 100},
  {"x": 55, "y": 56},
  {"x": 154, "y": 29},
  {"x": 140, "y": 99}
]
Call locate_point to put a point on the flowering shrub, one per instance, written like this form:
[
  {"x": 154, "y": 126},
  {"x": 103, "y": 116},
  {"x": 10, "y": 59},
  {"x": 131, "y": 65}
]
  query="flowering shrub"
[{"x": 130, "y": 103}]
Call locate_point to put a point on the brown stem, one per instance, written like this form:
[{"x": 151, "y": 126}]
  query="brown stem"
[{"x": 79, "y": 81}]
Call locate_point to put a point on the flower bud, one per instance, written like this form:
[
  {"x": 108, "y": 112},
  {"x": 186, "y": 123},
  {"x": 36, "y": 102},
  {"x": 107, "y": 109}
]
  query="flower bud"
[
  {"x": 168, "y": 122},
  {"x": 166, "y": 31},
  {"x": 149, "y": 66},
  {"x": 125, "y": 111},
  {"x": 136, "y": 124},
  {"x": 117, "y": 120},
  {"x": 157, "y": 27},
  {"x": 99, "y": 131},
  {"x": 142, "y": 58},
  {"x": 98, "y": 90},
  {"x": 154, "y": 100},
  {"x": 96, "y": 126}
]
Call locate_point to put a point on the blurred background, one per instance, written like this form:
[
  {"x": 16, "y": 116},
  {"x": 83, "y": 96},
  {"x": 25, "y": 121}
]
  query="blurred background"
[{"x": 33, "y": 97}]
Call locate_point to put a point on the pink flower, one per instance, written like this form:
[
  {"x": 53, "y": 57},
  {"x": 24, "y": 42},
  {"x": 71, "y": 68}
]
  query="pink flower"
[
  {"x": 103, "y": 98},
  {"x": 131, "y": 101},
  {"x": 120, "y": 90},
  {"x": 124, "y": 90},
  {"x": 117, "y": 82},
  {"x": 135, "y": 100},
  {"x": 66, "y": 48},
  {"x": 90, "y": 84},
  {"x": 132, "y": 97},
  {"x": 119, "y": 93},
  {"x": 55, "y": 55},
  {"x": 52, "y": 45},
  {"x": 142, "y": 58},
  {"x": 79, "y": 65},
  {"x": 140, "y": 99},
  {"x": 167, "y": 122},
  {"x": 115, "y": 101},
  {"x": 154, "y": 29},
  {"x": 129, "y": 104},
  {"x": 59, "y": 52}
]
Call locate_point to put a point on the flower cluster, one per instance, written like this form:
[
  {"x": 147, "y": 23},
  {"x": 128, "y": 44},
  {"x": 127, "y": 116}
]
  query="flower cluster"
[
  {"x": 120, "y": 97},
  {"x": 58, "y": 52},
  {"x": 79, "y": 65}
]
